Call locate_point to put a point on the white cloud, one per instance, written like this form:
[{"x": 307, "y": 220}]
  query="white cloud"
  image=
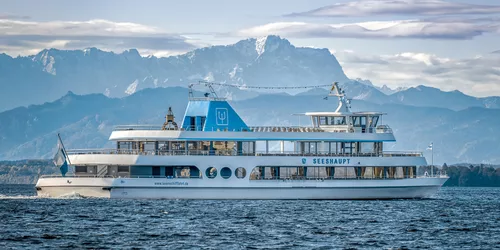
[
  {"x": 399, "y": 7},
  {"x": 416, "y": 29},
  {"x": 475, "y": 76},
  {"x": 23, "y": 37},
  {"x": 11, "y": 16}
]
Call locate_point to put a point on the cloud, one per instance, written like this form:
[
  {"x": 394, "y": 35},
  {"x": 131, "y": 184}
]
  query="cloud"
[
  {"x": 11, "y": 16},
  {"x": 476, "y": 76},
  {"x": 456, "y": 29},
  {"x": 24, "y": 37},
  {"x": 399, "y": 7}
]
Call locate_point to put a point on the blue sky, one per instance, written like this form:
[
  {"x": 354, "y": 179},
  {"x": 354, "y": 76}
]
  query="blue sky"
[{"x": 400, "y": 43}]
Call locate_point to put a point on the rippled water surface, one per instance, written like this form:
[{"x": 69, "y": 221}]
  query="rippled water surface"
[{"x": 466, "y": 218}]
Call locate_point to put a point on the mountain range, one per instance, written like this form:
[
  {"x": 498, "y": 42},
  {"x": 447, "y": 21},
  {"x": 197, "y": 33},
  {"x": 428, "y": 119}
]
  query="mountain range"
[
  {"x": 267, "y": 61},
  {"x": 101, "y": 89},
  {"x": 85, "y": 121}
]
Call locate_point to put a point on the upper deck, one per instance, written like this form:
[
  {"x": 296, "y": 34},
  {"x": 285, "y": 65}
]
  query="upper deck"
[
  {"x": 212, "y": 118},
  {"x": 252, "y": 133}
]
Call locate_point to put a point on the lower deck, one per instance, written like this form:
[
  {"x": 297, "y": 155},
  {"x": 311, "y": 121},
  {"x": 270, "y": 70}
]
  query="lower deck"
[
  {"x": 257, "y": 173},
  {"x": 229, "y": 169},
  {"x": 161, "y": 188}
]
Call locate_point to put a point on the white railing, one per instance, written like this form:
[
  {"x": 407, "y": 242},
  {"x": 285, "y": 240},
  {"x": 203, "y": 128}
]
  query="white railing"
[
  {"x": 77, "y": 176},
  {"x": 256, "y": 178},
  {"x": 137, "y": 127},
  {"x": 236, "y": 153},
  {"x": 382, "y": 129},
  {"x": 285, "y": 129}
]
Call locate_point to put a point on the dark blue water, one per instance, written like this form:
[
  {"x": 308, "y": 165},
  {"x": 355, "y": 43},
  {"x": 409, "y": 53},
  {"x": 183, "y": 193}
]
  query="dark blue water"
[{"x": 457, "y": 218}]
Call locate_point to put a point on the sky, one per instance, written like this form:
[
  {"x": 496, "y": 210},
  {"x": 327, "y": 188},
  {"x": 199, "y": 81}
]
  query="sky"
[{"x": 452, "y": 44}]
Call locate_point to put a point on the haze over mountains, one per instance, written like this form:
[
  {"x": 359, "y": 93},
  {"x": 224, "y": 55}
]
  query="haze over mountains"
[
  {"x": 108, "y": 89},
  {"x": 268, "y": 61}
]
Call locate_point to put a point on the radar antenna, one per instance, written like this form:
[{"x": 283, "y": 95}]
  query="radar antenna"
[{"x": 208, "y": 85}]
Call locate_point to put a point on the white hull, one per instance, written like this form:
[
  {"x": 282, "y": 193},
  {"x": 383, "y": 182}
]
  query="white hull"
[{"x": 160, "y": 188}]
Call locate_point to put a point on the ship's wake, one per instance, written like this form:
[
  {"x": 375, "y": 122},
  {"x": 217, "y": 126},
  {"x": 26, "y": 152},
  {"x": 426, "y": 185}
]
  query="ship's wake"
[
  {"x": 18, "y": 197},
  {"x": 72, "y": 195}
]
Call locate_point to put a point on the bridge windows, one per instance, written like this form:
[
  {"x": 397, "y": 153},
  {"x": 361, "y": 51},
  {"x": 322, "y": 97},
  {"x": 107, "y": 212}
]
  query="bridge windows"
[
  {"x": 323, "y": 120},
  {"x": 338, "y": 120},
  {"x": 373, "y": 121}
]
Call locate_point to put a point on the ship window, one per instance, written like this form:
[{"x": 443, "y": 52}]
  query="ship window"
[
  {"x": 367, "y": 147},
  {"x": 169, "y": 171},
  {"x": 355, "y": 121},
  {"x": 338, "y": 120},
  {"x": 194, "y": 172},
  {"x": 126, "y": 145},
  {"x": 202, "y": 121},
  {"x": 211, "y": 172},
  {"x": 182, "y": 172},
  {"x": 363, "y": 120},
  {"x": 156, "y": 171},
  {"x": 374, "y": 121},
  {"x": 315, "y": 120},
  {"x": 123, "y": 169},
  {"x": 322, "y": 120},
  {"x": 162, "y": 146},
  {"x": 192, "y": 123},
  {"x": 312, "y": 147},
  {"x": 178, "y": 145},
  {"x": 225, "y": 172},
  {"x": 81, "y": 169},
  {"x": 149, "y": 146},
  {"x": 331, "y": 120},
  {"x": 240, "y": 173},
  {"x": 91, "y": 169}
]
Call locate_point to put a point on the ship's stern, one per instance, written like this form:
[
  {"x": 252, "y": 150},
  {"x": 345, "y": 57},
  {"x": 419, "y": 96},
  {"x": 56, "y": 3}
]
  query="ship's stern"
[{"x": 52, "y": 186}]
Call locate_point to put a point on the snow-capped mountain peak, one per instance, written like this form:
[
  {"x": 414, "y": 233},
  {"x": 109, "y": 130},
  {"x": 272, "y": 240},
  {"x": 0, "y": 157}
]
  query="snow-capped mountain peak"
[{"x": 260, "y": 45}]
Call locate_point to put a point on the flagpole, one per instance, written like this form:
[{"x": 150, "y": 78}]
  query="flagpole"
[
  {"x": 65, "y": 152},
  {"x": 432, "y": 160}
]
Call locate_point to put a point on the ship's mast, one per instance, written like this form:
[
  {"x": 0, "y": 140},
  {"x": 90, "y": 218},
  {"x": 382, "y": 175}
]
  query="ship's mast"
[{"x": 344, "y": 103}]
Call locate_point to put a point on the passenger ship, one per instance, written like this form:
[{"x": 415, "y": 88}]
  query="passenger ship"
[{"x": 213, "y": 154}]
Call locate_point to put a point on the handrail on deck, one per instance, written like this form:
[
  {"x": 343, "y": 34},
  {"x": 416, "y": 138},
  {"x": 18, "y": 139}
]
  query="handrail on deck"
[
  {"x": 239, "y": 153},
  {"x": 252, "y": 179},
  {"x": 382, "y": 129}
]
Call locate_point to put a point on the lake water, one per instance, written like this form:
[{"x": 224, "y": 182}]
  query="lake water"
[{"x": 466, "y": 218}]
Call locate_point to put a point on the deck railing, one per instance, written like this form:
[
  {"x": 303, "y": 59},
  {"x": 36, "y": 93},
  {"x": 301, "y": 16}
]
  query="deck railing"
[
  {"x": 238, "y": 153},
  {"x": 252, "y": 179},
  {"x": 383, "y": 129}
]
